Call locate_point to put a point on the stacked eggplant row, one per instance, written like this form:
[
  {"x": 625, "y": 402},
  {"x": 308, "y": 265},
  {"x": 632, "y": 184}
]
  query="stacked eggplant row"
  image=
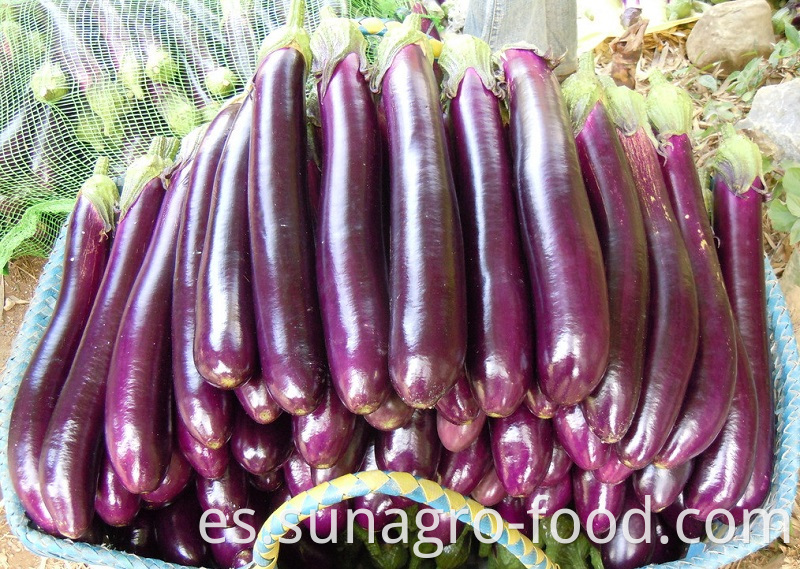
[{"x": 530, "y": 307}]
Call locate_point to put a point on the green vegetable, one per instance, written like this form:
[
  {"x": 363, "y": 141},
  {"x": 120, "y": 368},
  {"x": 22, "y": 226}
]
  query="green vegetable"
[
  {"x": 49, "y": 83},
  {"x": 160, "y": 66},
  {"x": 220, "y": 81}
]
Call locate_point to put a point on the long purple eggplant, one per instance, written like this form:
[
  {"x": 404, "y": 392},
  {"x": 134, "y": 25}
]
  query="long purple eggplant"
[
  {"x": 139, "y": 537},
  {"x": 691, "y": 527},
  {"x": 414, "y": 448},
  {"x": 208, "y": 462},
  {"x": 591, "y": 495},
  {"x": 290, "y": 339},
  {"x": 178, "y": 532},
  {"x": 499, "y": 341},
  {"x": 456, "y": 438},
  {"x": 255, "y": 399},
  {"x": 558, "y": 233},
  {"x": 737, "y": 192},
  {"x": 322, "y": 436},
  {"x": 85, "y": 256},
  {"x": 673, "y": 328},
  {"x": 584, "y": 447},
  {"x": 351, "y": 265},
  {"x": 269, "y": 482},
  {"x": 138, "y": 421},
  {"x": 428, "y": 319},
  {"x": 224, "y": 337},
  {"x": 352, "y": 458},
  {"x": 619, "y": 553},
  {"x": 459, "y": 405},
  {"x": 560, "y": 465},
  {"x": 668, "y": 546},
  {"x": 228, "y": 494},
  {"x": 489, "y": 490},
  {"x": 538, "y": 403},
  {"x": 113, "y": 503},
  {"x": 236, "y": 541},
  {"x": 612, "y": 195},
  {"x": 261, "y": 448},
  {"x": 713, "y": 380},
  {"x": 376, "y": 504},
  {"x": 462, "y": 471},
  {"x": 299, "y": 478},
  {"x": 661, "y": 485},
  {"x": 522, "y": 446},
  {"x": 177, "y": 478},
  {"x": 205, "y": 410},
  {"x": 722, "y": 473},
  {"x": 69, "y": 464},
  {"x": 550, "y": 499},
  {"x": 393, "y": 414}
]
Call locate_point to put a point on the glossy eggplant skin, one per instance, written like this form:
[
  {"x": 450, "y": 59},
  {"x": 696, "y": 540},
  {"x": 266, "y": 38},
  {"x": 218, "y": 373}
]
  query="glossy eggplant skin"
[
  {"x": 138, "y": 421},
  {"x": 462, "y": 471},
  {"x": 322, "y": 436},
  {"x": 662, "y": 485},
  {"x": 177, "y": 478},
  {"x": 612, "y": 195},
  {"x": 692, "y": 527},
  {"x": 224, "y": 337},
  {"x": 85, "y": 257},
  {"x": 258, "y": 448},
  {"x": 550, "y": 499},
  {"x": 299, "y": 478},
  {"x": 269, "y": 482},
  {"x": 738, "y": 228},
  {"x": 459, "y": 405},
  {"x": 673, "y": 318},
  {"x": 613, "y": 471},
  {"x": 353, "y": 456},
  {"x": 590, "y": 494},
  {"x": 584, "y": 447},
  {"x": 456, "y": 438},
  {"x": 558, "y": 234},
  {"x": 178, "y": 532},
  {"x": 139, "y": 537},
  {"x": 672, "y": 548},
  {"x": 489, "y": 490},
  {"x": 206, "y": 461},
  {"x": 560, "y": 465},
  {"x": 538, "y": 403},
  {"x": 427, "y": 289},
  {"x": 351, "y": 262},
  {"x": 414, "y": 448},
  {"x": 226, "y": 494},
  {"x": 113, "y": 503},
  {"x": 290, "y": 338},
  {"x": 206, "y": 411},
  {"x": 255, "y": 399},
  {"x": 68, "y": 463},
  {"x": 722, "y": 473},
  {"x": 499, "y": 338},
  {"x": 522, "y": 446},
  {"x": 619, "y": 553},
  {"x": 393, "y": 414},
  {"x": 710, "y": 392}
]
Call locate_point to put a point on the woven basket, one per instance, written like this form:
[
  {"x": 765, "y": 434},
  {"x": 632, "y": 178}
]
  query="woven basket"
[{"x": 786, "y": 376}]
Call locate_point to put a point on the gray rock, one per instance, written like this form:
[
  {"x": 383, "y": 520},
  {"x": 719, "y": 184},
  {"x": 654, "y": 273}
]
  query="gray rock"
[
  {"x": 774, "y": 120},
  {"x": 732, "y": 33}
]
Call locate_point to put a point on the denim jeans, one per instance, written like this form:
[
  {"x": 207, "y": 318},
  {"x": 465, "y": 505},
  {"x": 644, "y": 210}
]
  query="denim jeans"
[{"x": 550, "y": 25}]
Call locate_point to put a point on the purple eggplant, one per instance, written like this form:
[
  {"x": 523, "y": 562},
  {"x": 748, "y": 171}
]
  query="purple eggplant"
[
  {"x": 269, "y": 482},
  {"x": 351, "y": 265},
  {"x": 69, "y": 463},
  {"x": 462, "y": 471},
  {"x": 207, "y": 462},
  {"x": 690, "y": 527},
  {"x": 619, "y": 553},
  {"x": 177, "y": 478},
  {"x": 261, "y": 448},
  {"x": 113, "y": 503},
  {"x": 255, "y": 399},
  {"x": 612, "y": 195},
  {"x": 228, "y": 494},
  {"x": 85, "y": 256},
  {"x": 440, "y": 525},
  {"x": 459, "y": 405},
  {"x": 352, "y": 458},
  {"x": 721, "y": 474},
  {"x": 376, "y": 504},
  {"x": 661, "y": 485},
  {"x": 560, "y": 465},
  {"x": 614, "y": 471},
  {"x": 206, "y": 411},
  {"x": 548, "y": 500},
  {"x": 456, "y": 438},
  {"x": 737, "y": 192},
  {"x": 322, "y": 436},
  {"x": 178, "y": 532},
  {"x": 393, "y": 414},
  {"x": 224, "y": 337},
  {"x": 522, "y": 446},
  {"x": 591, "y": 496},
  {"x": 139, "y": 537},
  {"x": 428, "y": 318},
  {"x": 585, "y": 448},
  {"x": 672, "y": 331},
  {"x": 713, "y": 380},
  {"x": 290, "y": 338},
  {"x": 560, "y": 239},
  {"x": 538, "y": 403},
  {"x": 668, "y": 546},
  {"x": 138, "y": 421},
  {"x": 300, "y": 478},
  {"x": 236, "y": 540},
  {"x": 499, "y": 341},
  {"x": 414, "y": 448},
  {"x": 489, "y": 490}
]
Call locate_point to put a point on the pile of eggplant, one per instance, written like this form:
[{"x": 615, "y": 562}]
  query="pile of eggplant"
[{"x": 458, "y": 269}]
